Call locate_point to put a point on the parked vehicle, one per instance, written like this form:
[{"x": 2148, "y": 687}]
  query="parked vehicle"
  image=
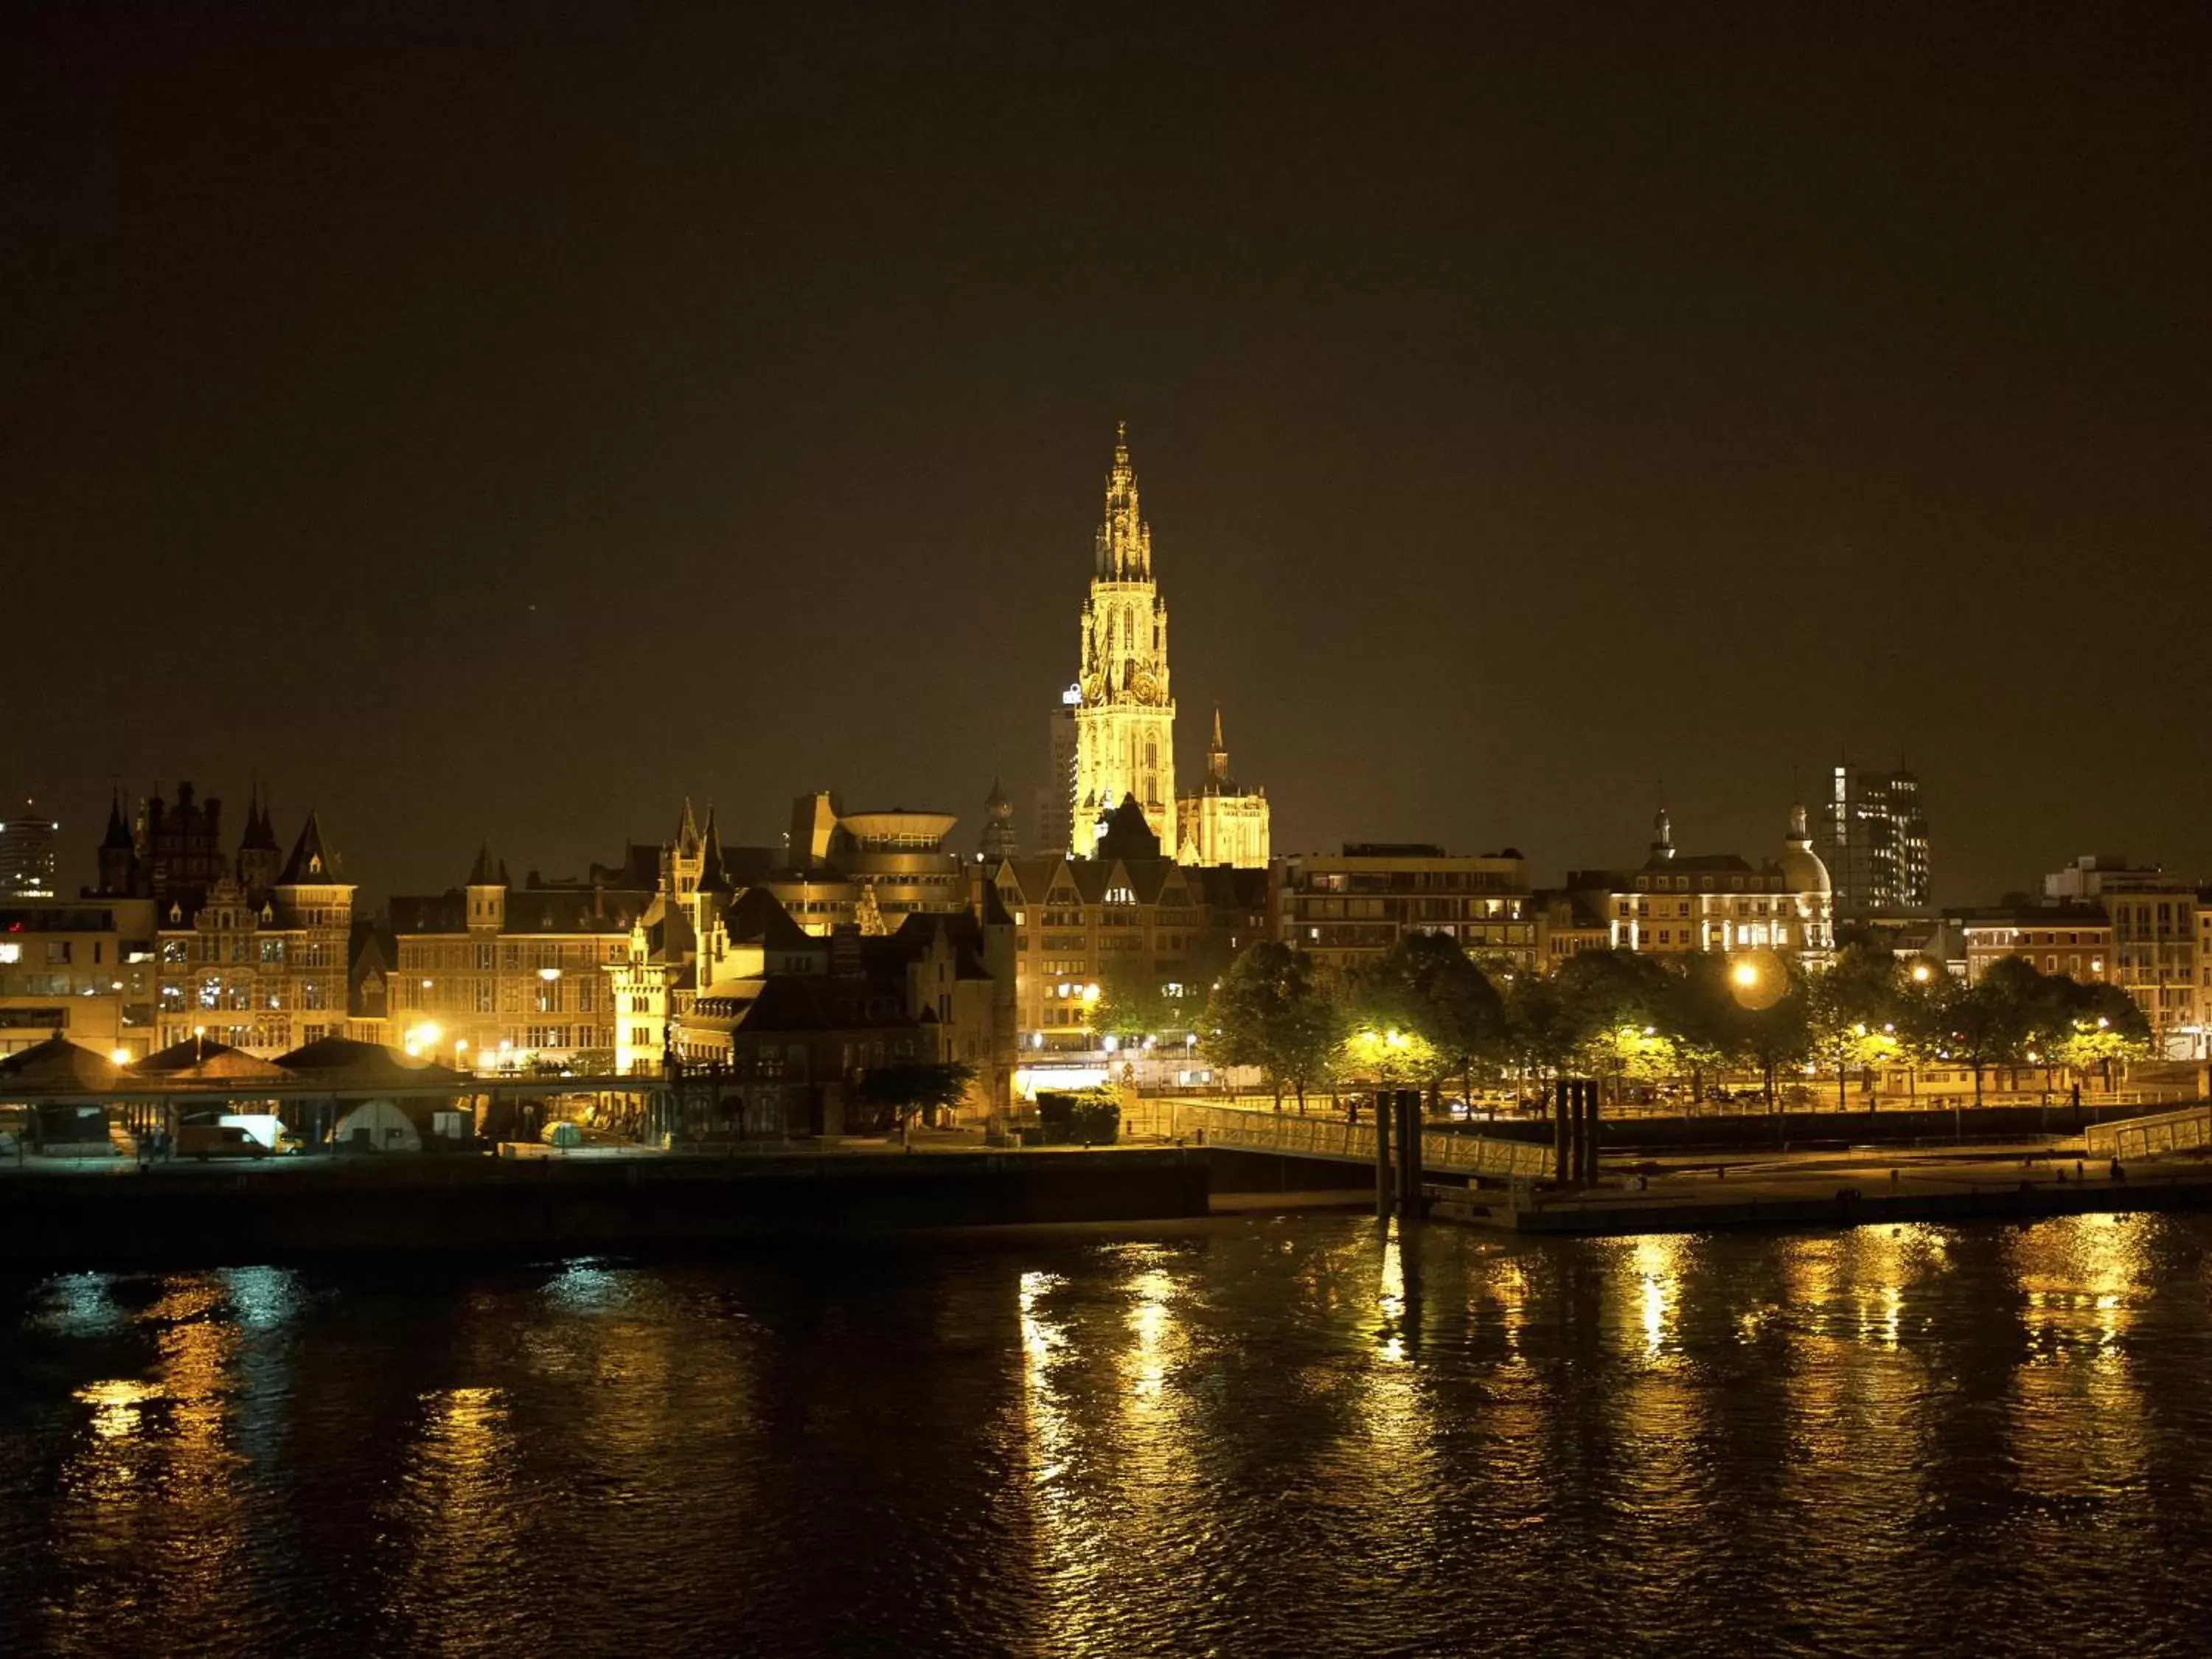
[{"x": 206, "y": 1141}]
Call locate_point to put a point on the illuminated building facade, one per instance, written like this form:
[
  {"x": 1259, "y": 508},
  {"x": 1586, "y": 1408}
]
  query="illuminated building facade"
[
  {"x": 2156, "y": 945},
  {"x": 81, "y": 969},
  {"x": 1223, "y": 823},
  {"x": 494, "y": 974},
  {"x": 1676, "y": 905},
  {"x": 1125, "y": 712},
  {"x": 1874, "y": 843},
  {"x": 1080, "y": 922},
  {"x": 2067, "y": 938},
  {"x": 1343, "y": 909},
  {"x": 869, "y": 870},
  {"x": 259, "y": 957}
]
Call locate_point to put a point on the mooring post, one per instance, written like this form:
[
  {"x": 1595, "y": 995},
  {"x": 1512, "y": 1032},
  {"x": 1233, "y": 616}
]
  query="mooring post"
[
  {"x": 1588, "y": 1131},
  {"x": 1563, "y": 1166},
  {"x": 1409, "y": 1153},
  {"x": 1382, "y": 1155}
]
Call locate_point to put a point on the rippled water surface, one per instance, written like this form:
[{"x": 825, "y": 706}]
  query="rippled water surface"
[{"x": 1261, "y": 1436}]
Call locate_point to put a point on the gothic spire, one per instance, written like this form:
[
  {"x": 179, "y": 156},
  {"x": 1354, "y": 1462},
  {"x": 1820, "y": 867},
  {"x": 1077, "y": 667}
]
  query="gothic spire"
[
  {"x": 1125, "y": 540},
  {"x": 118, "y": 839},
  {"x": 714, "y": 874}
]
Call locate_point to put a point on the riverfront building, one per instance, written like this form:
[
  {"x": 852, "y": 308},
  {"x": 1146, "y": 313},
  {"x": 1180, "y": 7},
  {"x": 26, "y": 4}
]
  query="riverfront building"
[
  {"x": 1349, "y": 908},
  {"x": 1131, "y": 915},
  {"x": 80, "y": 968},
  {"x": 1678, "y": 904}
]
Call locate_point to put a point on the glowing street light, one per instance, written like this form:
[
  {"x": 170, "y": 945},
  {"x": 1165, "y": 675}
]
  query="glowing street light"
[
  {"x": 121, "y": 1056},
  {"x": 1745, "y": 974},
  {"x": 1921, "y": 973}
]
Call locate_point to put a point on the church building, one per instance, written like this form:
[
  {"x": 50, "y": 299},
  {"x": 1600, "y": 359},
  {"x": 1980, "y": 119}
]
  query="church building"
[{"x": 1113, "y": 735}]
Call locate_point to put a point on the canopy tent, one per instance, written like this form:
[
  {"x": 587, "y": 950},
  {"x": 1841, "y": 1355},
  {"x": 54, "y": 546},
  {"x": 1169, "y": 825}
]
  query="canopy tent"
[
  {"x": 341, "y": 1064},
  {"x": 58, "y": 1067},
  {"x": 378, "y": 1126},
  {"x": 196, "y": 1060}
]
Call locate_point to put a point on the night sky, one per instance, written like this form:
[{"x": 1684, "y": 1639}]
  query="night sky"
[{"x": 502, "y": 427}]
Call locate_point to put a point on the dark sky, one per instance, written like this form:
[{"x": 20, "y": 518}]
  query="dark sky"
[{"x": 502, "y": 427}]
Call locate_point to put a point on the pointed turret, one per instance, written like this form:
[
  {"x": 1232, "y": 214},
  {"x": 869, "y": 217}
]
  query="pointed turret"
[
  {"x": 259, "y": 857},
  {"x": 313, "y": 861},
  {"x": 1217, "y": 757},
  {"x": 714, "y": 874},
  {"x": 120, "y": 872},
  {"x": 118, "y": 838},
  {"x": 486, "y": 891},
  {"x": 687, "y": 832}
]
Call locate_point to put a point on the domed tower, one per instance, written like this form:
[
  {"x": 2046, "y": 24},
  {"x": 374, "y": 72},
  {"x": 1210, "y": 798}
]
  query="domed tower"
[
  {"x": 999, "y": 840},
  {"x": 1807, "y": 881}
]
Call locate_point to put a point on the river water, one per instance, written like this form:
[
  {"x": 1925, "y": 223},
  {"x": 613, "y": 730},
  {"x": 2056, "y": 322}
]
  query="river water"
[{"x": 1265, "y": 1435}]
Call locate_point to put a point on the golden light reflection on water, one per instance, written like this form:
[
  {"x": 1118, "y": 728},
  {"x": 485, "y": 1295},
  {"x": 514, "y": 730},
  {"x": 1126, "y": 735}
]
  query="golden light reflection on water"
[
  {"x": 2085, "y": 1284},
  {"x": 1390, "y": 1297},
  {"x": 159, "y": 1457},
  {"x": 1656, "y": 1262},
  {"x": 116, "y": 1405}
]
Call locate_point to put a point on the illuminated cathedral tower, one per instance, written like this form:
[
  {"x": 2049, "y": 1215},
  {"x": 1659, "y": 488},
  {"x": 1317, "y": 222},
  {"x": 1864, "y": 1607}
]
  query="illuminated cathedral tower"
[{"x": 1124, "y": 711}]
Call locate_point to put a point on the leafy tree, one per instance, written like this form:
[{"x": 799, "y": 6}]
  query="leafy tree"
[
  {"x": 1775, "y": 1036},
  {"x": 1425, "y": 987},
  {"x": 1987, "y": 1022},
  {"x": 2093, "y": 1026},
  {"x": 1699, "y": 1012},
  {"x": 1272, "y": 1011},
  {"x": 893, "y": 1094},
  {"x": 1540, "y": 1033},
  {"x": 1614, "y": 1000},
  {"x": 1131, "y": 1001},
  {"x": 1851, "y": 1012}
]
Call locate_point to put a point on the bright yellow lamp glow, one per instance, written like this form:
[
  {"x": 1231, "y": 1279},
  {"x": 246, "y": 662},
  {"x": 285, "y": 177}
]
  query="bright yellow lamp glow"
[
  {"x": 121, "y": 1056},
  {"x": 1746, "y": 973}
]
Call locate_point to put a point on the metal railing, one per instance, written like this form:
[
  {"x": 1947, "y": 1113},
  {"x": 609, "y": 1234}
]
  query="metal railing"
[
  {"x": 1354, "y": 1143},
  {"x": 2147, "y": 1137}
]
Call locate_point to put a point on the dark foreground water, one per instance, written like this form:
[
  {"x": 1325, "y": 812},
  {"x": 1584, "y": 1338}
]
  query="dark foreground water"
[{"x": 1264, "y": 1436}]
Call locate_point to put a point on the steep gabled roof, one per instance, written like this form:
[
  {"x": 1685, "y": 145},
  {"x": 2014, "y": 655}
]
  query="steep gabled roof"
[
  {"x": 58, "y": 1066},
  {"x": 260, "y": 833},
  {"x": 484, "y": 872},
  {"x": 758, "y": 918},
  {"x": 313, "y": 861},
  {"x": 714, "y": 874}
]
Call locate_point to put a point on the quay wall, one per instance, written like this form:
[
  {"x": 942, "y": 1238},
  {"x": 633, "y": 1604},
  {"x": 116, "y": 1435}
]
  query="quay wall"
[
  {"x": 1803, "y": 1130},
  {"x": 471, "y": 1206}
]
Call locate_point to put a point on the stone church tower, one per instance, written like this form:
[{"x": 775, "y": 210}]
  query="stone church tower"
[{"x": 1125, "y": 716}]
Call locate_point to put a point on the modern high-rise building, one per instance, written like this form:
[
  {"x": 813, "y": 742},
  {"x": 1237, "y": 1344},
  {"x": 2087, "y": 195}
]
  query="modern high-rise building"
[
  {"x": 1125, "y": 707},
  {"x": 1874, "y": 840},
  {"x": 26, "y": 853},
  {"x": 1056, "y": 800}
]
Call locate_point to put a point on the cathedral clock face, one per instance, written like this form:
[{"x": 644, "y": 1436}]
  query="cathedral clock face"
[
  {"x": 1146, "y": 688},
  {"x": 1091, "y": 687}
]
